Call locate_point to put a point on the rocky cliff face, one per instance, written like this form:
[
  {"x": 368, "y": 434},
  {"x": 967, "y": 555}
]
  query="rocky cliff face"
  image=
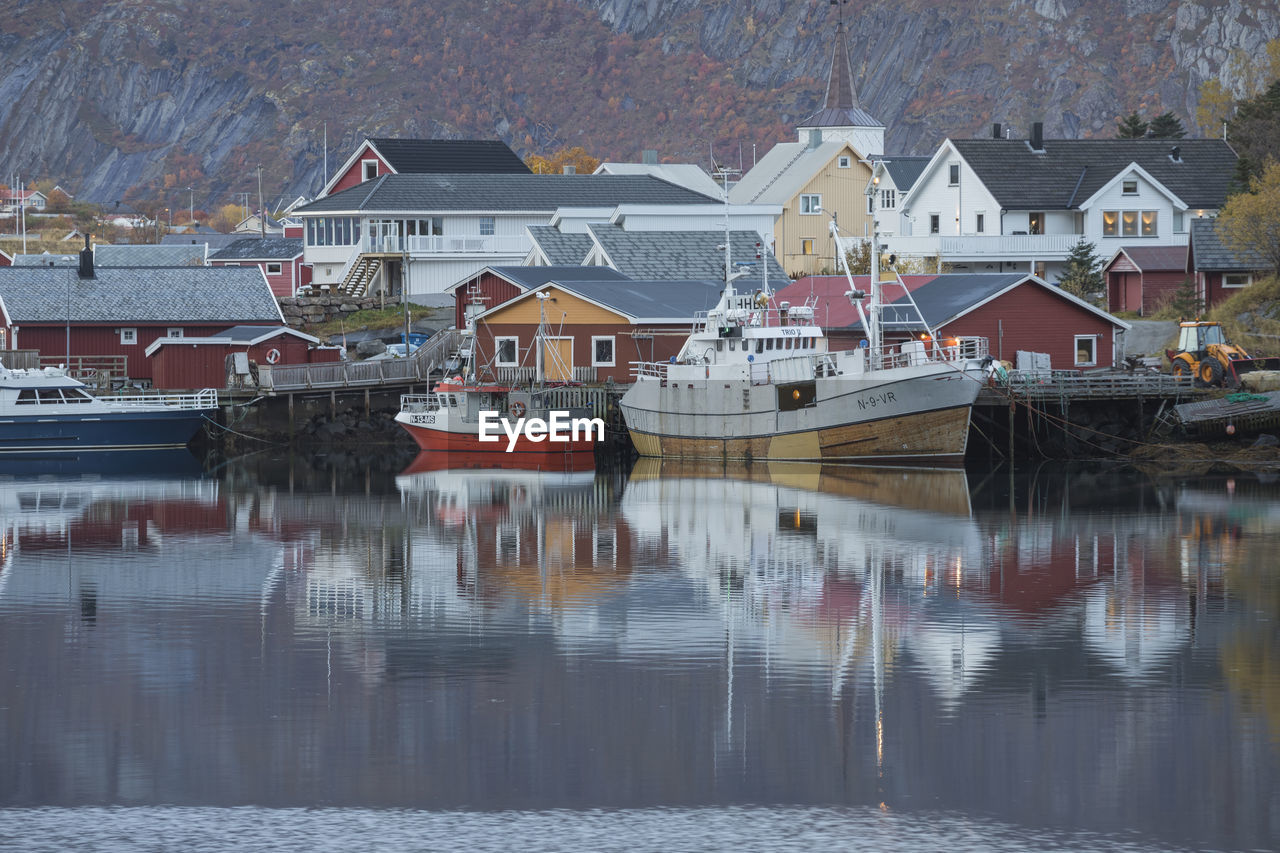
[{"x": 168, "y": 94}]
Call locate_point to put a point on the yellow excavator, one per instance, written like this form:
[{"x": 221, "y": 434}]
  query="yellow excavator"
[{"x": 1203, "y": 353}]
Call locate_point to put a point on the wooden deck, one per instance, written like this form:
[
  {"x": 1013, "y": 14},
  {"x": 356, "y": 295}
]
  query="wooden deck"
[
  {"x": 415, "y": 369},
  {"x": 1071, "y": 385}
]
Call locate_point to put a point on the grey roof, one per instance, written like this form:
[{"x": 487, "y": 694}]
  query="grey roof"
[
  {"x": 683, "y": 255},
  {"x": 497, "y": 193},
  {"x": 1208, "y": 251},
  {"x": 449, "y": 156},
  {"x": 904, "y": 170},
  {"x": 650, "y": 300},
  {"x": 259, "y": 249},
  {"x": 531, "y": 277},
  {"x": 559, "y": 247},
  {"x": 177, "y": 295},
  {"x": 1069, "y": 171},
  {"x": 851, "y": 117},
  {"x": 214, "y": 241},
  {"x": 948, "y": 296},
  {"x": 122, "y": 255}
]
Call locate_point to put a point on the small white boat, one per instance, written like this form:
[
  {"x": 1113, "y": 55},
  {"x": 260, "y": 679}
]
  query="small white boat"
[{"x": 47, "y": 411}]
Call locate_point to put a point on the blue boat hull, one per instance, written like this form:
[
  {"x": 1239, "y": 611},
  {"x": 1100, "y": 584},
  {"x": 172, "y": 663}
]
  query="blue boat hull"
[{"x": 100, "y": 431}]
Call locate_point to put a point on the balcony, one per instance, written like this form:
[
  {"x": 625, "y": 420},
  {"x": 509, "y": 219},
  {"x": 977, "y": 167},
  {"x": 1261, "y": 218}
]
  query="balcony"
[
  {"x": 450, "y": 244},
  {"x": 1039, "y": 247}
]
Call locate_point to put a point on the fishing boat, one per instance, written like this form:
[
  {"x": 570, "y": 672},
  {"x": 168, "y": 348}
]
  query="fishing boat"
[
  {"x": 46, "y": 410},
  {"x": 542, "y": 421},
  {"x": 756, "y": 380}
]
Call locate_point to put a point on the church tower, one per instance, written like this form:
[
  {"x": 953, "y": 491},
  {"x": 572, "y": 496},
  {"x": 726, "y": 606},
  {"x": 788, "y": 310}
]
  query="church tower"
[{"x": 841, "y": 119}]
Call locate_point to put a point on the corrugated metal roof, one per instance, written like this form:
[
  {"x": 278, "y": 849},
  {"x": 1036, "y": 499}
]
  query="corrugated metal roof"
[{"x": 178, "y": 295}]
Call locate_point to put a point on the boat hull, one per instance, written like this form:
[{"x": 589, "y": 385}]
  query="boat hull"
[
  {"x": 100, "y": 431},
  {"x": 905, "y": 416},
  {"x": 444, "y": 440}
]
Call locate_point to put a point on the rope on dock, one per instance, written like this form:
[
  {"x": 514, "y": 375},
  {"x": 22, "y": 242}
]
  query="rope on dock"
[{"x": 241, "y": 434}]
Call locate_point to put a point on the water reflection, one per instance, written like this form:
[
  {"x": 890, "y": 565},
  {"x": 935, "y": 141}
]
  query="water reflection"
[{"x": 682, "y": 635}]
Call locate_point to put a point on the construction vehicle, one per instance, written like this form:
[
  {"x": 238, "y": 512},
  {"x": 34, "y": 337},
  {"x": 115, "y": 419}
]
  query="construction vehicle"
[{"x": 1204, "y": 354}]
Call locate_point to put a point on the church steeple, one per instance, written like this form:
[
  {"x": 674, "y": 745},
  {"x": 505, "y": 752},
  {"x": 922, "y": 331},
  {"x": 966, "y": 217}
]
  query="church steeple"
[{"x": 842, "y": 118}]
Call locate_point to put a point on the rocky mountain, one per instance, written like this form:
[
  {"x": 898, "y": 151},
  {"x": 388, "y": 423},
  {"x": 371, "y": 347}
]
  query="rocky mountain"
[{"x": 144, "y": 98}]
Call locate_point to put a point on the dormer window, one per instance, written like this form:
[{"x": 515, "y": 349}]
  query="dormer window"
[
  {"x": 369, "y": 169},
  {"x": 1129, "y": 187}
]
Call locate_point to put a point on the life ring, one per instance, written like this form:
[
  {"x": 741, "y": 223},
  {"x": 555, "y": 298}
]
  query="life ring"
[
  {"x": 273, "y": 355},
  {"x": 517, "y": 410}
]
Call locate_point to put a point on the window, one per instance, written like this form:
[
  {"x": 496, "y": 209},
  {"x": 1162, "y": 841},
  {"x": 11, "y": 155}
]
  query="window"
[
  {"x": 933, "y": 223},
  {"x": 128, "y": 336},
  {"x": 1035, "y": 223},
  {"x": 1110, "y": 223},
  {"x": 871, "y": 204},
  {"x": 369, "y": 169},
  {"x": 844, "y": 161},
  {"x": 602, "y": 351},
  {"x": 1149, "y": 223},
  {"x": 980, "y": 222},
  {"x": 888, "y": 199},
  {"x": 1129, "y": 187},
  {"x": 953, "y": 175},
  {"x": 806, "y": 246},
  {"x": 173, "y": 333},
  {"x": 811, "y": 203},
  {"x": 486, "y": 225},
  {"x": 1236, "y": 279},
  {"x": 1179, "y": 222},
  {"x": 506, "y": 351},
  {"x": 273, "y": 268},
  {"x": 1129, "y": 223},
  {"x": 1086, "y": 350}
]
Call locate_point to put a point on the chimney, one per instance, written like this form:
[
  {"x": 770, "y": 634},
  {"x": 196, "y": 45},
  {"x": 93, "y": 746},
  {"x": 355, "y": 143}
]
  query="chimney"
[
  {"x": 649, "y": 157},
  {"x": 570, "y": 170},
  {"x": 1175, "y": 153},
  {"x": 1037, "y": 136},
  {"x": 995, "y": 131},
  {"x": 86, "y": 259}
]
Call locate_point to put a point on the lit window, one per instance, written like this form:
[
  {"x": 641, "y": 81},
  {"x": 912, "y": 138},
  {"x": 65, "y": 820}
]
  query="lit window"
[
  {"x": 1035, "y": 223},
  {"x": 1110, "y": 223},
  {"x": 602, "y": 351},
  {"x": 1086, "y": 350},
  {"x": 1149, "y": 223},
  {"x": 1129, "y": 223},
  {"x": 811, "y": 203},
  {"x": 806, "y": 246}
]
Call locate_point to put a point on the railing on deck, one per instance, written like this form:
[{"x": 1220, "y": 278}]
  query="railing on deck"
[
  {"x": 1097, "y": 384},
  {"x": 20, "y": 359},
  {"x": 205, "y": 399},
  {"x": 97, "y": 371},
  {"x": 426, "y": 359}
]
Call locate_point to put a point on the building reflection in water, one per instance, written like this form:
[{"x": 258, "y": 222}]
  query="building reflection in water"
[{"x": 686, "y": 634}]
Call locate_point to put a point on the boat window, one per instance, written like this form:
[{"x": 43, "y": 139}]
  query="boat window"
[
  {"x": 768, "y": 343},
  {"x": 759, "y": 344},
  {"x": 719, "y": 346},
  {"x": 27, "y": 395},
  {"x": 76, "y": 395},
  {"x": 49, "y": 395}
]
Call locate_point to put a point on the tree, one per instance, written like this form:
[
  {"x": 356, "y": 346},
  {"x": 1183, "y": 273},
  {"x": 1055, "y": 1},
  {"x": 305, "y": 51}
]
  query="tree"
[
  {"x": 1132, "y": 126},
  {"x": 1254, "y": 132},
  {"x": 227, "y": 218},
  {"x": 1250, "y": 222},
  {"x": 1185, "y": 301},
  {"x": 582, "y": 162},
  {"x": 1082, "y": 274},
  {"x": 1166, "y": 126}
]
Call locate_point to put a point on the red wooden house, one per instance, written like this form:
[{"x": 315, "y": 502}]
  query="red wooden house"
[
  {"x": 1144, "y": 278},
  {"x": 1219, "y": 270},
  {"x": 383, "y": 156},
  {"x": 279, "y": 258},
  {"x": 112, "y": 314},
  {"x": 1013, "y": 311},
  {"x": 191, "y": 362}
]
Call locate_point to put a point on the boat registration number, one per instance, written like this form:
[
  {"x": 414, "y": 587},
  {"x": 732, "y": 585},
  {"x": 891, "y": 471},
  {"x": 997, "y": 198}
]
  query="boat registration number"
[{"x": 422, "y": 419}]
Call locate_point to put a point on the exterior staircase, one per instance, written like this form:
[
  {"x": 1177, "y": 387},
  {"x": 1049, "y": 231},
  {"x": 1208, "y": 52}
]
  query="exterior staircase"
[{"x": 361, "y": 275}]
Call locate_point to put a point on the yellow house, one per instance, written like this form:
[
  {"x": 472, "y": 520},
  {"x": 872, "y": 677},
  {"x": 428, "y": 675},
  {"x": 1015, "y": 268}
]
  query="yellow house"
[{"x": 825, "y": 173}]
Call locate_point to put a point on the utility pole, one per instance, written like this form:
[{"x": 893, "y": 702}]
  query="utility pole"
[
  {"x": 191, "y": 207},
  {"x": 262, "y": 214}
]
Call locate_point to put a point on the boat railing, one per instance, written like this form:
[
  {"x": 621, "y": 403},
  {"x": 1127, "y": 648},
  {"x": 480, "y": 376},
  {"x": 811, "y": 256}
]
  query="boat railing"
[
  {"x": 206, "y": 398},
  {"x": 418, "y": 402},
  {"x": 746, "y": 312},
  {"x": 905, "y": 354}
]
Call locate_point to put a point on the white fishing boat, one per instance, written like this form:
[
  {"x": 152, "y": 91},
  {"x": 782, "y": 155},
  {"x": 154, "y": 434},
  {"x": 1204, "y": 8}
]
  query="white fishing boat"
[
  {"x": 46, "y": 411},
  {"x": 757, "y": 380}
]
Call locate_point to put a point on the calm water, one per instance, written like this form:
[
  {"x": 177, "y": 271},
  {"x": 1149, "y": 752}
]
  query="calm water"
[{"x": 331, "y": 655}]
